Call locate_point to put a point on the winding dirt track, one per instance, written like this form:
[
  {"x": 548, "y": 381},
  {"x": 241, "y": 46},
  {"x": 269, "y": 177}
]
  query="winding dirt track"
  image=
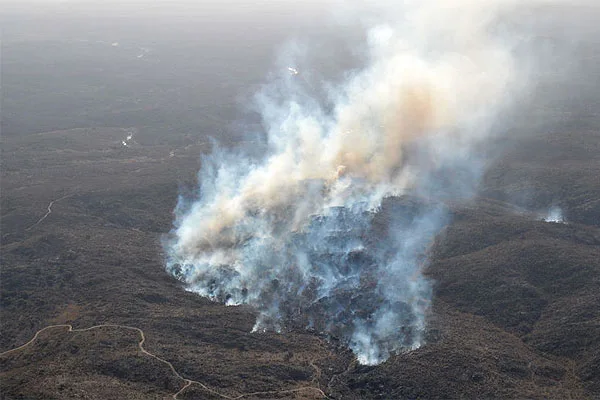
[
  {"x": 47, "y": 212},
  {"x": 188, "y": 382}
]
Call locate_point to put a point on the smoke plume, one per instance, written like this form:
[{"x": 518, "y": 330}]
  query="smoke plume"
[
  {"x": 554, "y": 214},
  {"x": 329, "y": 228}
]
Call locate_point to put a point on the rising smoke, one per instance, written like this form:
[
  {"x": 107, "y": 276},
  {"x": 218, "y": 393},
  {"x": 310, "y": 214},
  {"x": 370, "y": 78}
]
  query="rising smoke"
[
  {"x": 330, "y": 228},
  {"x": 554, "y": 214}
]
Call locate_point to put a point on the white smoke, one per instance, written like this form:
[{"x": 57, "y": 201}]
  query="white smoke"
[
  {"x": 309, "y": 234},
  {"x": 554, "y": 214}
]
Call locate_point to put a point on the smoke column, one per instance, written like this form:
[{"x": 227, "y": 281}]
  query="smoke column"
[{"x": 329, "y": 229}]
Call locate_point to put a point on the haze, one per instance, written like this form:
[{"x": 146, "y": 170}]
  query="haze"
[{"x": 335, "y": 199}]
